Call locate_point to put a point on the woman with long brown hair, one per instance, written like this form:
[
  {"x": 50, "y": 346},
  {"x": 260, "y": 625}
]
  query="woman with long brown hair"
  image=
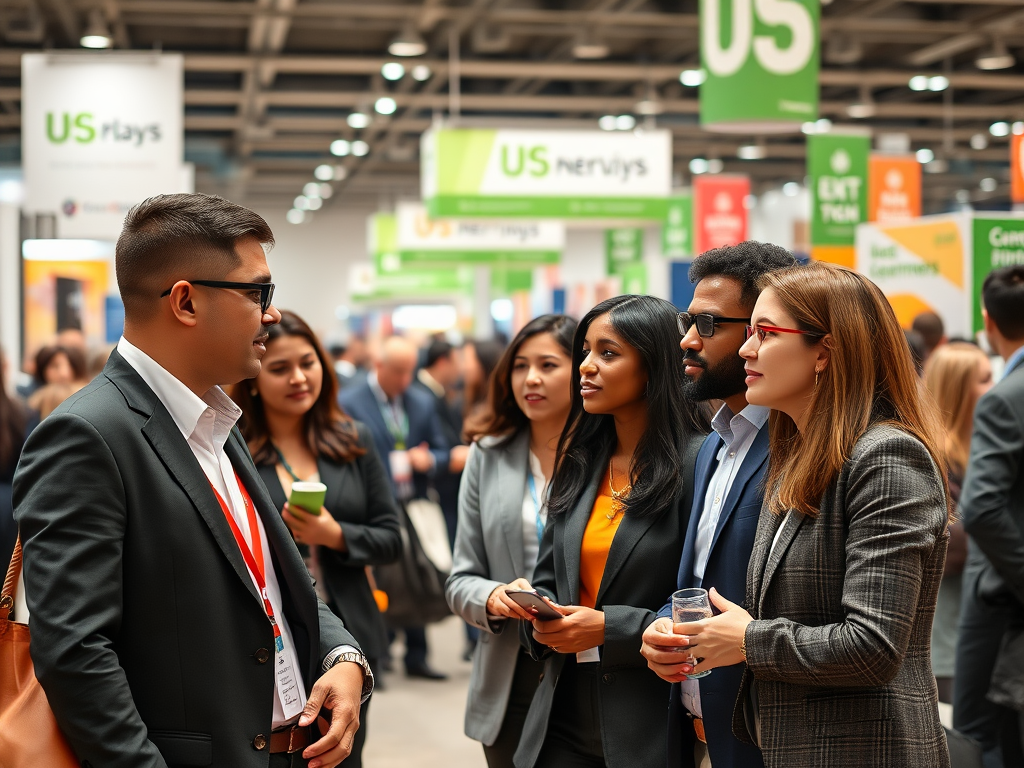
[
  {"x": 848, "y": 556},
  {"x": 296, "y": 432}
]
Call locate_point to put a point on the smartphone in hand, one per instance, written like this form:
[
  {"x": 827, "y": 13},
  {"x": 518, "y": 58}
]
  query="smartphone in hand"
[{"x": 534, "y": 604}]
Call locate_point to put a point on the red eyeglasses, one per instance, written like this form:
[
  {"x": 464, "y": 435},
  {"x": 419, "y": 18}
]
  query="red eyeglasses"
[{"x": 763, "y": 330}]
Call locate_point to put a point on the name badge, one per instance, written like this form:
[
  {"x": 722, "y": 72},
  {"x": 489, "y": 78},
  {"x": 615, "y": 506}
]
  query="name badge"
[{"x": 287, "y": 686}]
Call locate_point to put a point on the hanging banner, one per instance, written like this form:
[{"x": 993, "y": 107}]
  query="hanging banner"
[
  {"x": 1017, "y": 168},
  {"x": 366, "y": 283},
  {"x": 838, "y": 167},
  {"x": 100, "y": 133},
  {"x": 677, "y": 228},
  {"x": 998, "y": 242},
  {"x": 719, "y": 211},
  {"x": 634, "y": 279},
  {"x": 894, "y": 188},
  {"x": 622, "y": 247},
  {"x": 546, "y": 174},
  {"x": 761, "y": 64}
]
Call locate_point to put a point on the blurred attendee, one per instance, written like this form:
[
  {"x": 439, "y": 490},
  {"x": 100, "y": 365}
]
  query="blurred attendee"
[
  {"x": 992, "y": 503},
  {"x": 849, "y": 549},
  {"x": 407, "y": 433},
  {"x": 918, "y": 350},
  {"x": 45, "y": 400},
  {"x": 502, "y": 511},
  {"x": 932, "y": 331},
  {"x": 349, "y": 360},
  {"x": 60, "y": 365},
  {"x": 479, "y": 359},
  {"x": 956, "y": 375},
  {"x": 729, "y": 492},
  {"x": 617, "y": 515},
  {"x": 297, "y": 433},
  {"x": 72, "y": 338},
  {"x": 13, "y": 428}
]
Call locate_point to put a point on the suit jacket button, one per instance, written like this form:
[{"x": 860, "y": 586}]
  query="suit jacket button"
[
  {"x": 262, "y": 656},
  {"x": 260, "y": 742},
  {"x": 607, "y": 679}
]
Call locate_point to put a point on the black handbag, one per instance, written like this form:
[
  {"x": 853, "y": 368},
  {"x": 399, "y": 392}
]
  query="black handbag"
[{"x": 1007, "y": 685}]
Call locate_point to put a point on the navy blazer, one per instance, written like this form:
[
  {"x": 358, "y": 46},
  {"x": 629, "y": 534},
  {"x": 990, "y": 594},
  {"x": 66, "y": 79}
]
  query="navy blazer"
[
  {"x": 361, "y": 404},
  {"x": 726, "y": 571}
]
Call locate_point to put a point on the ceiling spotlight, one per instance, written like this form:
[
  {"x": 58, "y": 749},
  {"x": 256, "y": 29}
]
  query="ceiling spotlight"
[
  {"x": 421, "y": 72},
  {"x": 385, "y": 105},
  {"x": 97, "y": 33},
  {"x": 918, "y": 83},
  {"x": 808, "y": 128},
  {"x": 698, "y": 166},
  {"x": 392, "y": 70},
  {"x": 752, "y": 152},
  {"x": 924, "y": 155},
  {"x": 938, "y": 83},
  {"x": 999, "y": 129},
  {"x": 301, "y": 203},
  {"x": 791, "y": 189},
  {"x": 295, "y": 216},
  {"x": 692, "y": 77},
  {"x": 360, "y": 148},
  {"x": 864, "y": 107},
  {"x": 340, "y": 172},
  {"x": 312, "y": 189},
  {"x": 409, "y": 42},
  {"x": 358, "y": 120},
  {"x": 607, "y": 123},
  {"x": 988, "y": 184},
  {"x": 326, "y": 191},
  {"x": 588, "y": 46},
  {"x": 963, "y": 196},
  {"x": 979, "y": 141},
  {"x": 996, "y": 57},
  {"x": 650, "y": 105},
  {"x": 1018, "y": 128},
  {"x": 625, "y": 122},
  {"x": 314, "y": 203},
  {"x": 715, "y": 165},
  {"x": 324, "y": 172},
  {"x": 340, "y": 148}
]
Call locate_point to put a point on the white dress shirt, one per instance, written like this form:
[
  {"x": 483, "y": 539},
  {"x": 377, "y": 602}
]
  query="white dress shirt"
[
  {"x": 205, "y": 423},
  {"x": 531, "y": 538}
]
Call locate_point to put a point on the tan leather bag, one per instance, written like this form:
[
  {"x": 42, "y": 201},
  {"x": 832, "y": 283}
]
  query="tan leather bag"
[{"x": 29, "y": 735}]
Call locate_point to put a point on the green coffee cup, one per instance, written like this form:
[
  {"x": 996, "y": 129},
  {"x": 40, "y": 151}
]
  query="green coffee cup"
[{"x": 308, "y": 496}]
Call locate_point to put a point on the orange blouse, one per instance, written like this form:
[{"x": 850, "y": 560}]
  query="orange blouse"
[{"x": 597, "y": 540}]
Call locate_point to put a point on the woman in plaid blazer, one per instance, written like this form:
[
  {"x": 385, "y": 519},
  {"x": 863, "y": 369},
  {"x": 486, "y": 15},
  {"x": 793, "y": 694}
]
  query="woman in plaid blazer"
[{"x": 849, "y": 550}]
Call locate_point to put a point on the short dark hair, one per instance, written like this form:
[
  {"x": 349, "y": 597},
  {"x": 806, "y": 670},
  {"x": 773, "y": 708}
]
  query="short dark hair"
[
  {"x": 745, "y": 262},
  {"x": 75, "y": 356},
  {"x": 1002, "y": 293},
  {"x": 438, "y": 349},
  {"x": 180, "y": 237},
  {"x": 931, "y": 328}
]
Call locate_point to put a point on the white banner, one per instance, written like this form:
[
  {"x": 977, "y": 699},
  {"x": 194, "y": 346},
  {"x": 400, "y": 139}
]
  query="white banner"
[
  {"x": 100, "y": 133},
  {"x": 416, "y": 232}
]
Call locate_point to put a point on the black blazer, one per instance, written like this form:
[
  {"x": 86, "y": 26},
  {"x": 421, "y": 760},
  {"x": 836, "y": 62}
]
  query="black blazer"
[
  {"x": 358, "y": 497},
  {"x": 148, "y": 636},
  {"x": 641, "y": 570}
]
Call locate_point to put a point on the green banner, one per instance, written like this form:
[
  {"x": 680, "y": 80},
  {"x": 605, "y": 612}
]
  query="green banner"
[
  {"x": 838, "y": 167},
  {"x": 541, "y": 207},
  {"x": 506, "y": 281},
  {"x": 997, "y": 243},
  {"x": 761, "y": 63},
  {"x": 634, "y": 278},
  {"x": 677, "y": 229},
  {"x": 622, "y": 247},
  {"x": 416, "y": 283}
]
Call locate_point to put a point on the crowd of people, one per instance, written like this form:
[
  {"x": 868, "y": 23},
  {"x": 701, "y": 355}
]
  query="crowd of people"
[{"x": 850, "y": 495}]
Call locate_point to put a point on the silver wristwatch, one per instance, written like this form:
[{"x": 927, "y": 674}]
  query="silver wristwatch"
[{"x": 343, "y": 654}]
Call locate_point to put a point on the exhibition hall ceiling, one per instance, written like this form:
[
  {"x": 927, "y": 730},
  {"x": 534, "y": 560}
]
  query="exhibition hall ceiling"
[{"x": 271, "y": 84}]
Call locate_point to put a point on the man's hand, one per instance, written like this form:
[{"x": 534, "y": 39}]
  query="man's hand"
[
  {"x": 457, "y": 458},
  {"x": 421, "y": 459},
  {"x": 338, "y": 690},
  {"x": 580, "y": 629},
  {"x": 665, "y": 651}
]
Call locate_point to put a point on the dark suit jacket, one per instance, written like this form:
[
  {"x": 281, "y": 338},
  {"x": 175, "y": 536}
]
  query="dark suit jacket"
[
  {"x": 843, "y": 610},
  {"x": 640, "y": 571},
  {"x": 726, "y": 571},
  {"x": 148, "y": 635},
  {"x": 358, "y": 497},
  {"x": 360, "y": 403}
]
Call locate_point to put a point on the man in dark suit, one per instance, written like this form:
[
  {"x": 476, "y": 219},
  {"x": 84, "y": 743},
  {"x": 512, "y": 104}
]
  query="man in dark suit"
[
  {"x": 992, "y": 504},
  {"x": 173, "y": 621},
  {"x": 408, "y": 436},
  {"x": 728, "y": 492}
]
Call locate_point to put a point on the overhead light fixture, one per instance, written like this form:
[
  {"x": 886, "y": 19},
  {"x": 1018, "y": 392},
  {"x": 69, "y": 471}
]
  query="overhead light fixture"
[
  {"x": 996, "y": 57},
  {"x": 822, "y": 125},
  {"x": 864, "y": 107},
  {"x": 312, "y": 189},
  {"x": 409, "y": 42},
  {"x": 606, "y": 123},
  {"x": 341, "y": 148},
  {"x": 295, "y": 216},
  {"x": 97, "y": 33},
  {"x": 326, "y": 191},
  {"x": 938, "y": 83},
  {"x": 301, "y": 203},
  {"x": 698, "y": 166},
  {"x": 385, "y": 105},
  {"x": 715, "y": 165},
  {"x": 999, "y": 129},
  {"x": 752, "y": 152},
  {"x": 589, "y": 46},
  {"x": 924, "y": 155},
  {"x": 324, "y": 172},
  {"x": 625, "y": 122},
  {"x": 392, "y": 70},
  {"x": 421, "y": 72},
  {"x": 963, "y": 196},
  {"x": 918, "y": 83},
  {"x": 650, "y": 105},
  {"x": 692, "y": 77},
  {"x": 979, "y": 141},
  {"x": 360, "y": 148},
  {"x": 358, "y": 120},
  {"x": 314, "y": 203},
  {"x": 988, "y": 184},
  {"x": 1018, "y": 128},
  {"x": 791, "y": 189}
]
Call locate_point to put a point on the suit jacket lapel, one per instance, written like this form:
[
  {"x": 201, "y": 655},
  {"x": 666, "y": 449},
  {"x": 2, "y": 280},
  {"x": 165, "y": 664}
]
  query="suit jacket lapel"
[
  {"x": 331, "y": 476},
  {"x": 702, "y": 475},
  {"x": 631, "y": 530},
  {"x": 572, "y": 538},
  {"x": 754, "y": 460},
  {"x": 792, "y": 526},
  {"x": 767, "y": 525}
]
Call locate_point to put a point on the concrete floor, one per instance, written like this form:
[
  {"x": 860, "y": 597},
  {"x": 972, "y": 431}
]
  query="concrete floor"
[{"x": 418, "y": 723}]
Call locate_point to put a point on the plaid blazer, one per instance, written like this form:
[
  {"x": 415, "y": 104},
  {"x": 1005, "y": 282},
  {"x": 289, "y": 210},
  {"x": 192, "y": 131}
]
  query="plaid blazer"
[{"x": 839, "y": 649}]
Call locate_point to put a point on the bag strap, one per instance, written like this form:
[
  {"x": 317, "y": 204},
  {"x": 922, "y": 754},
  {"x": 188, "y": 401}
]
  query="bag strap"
[{"x": 10, "y": 587}]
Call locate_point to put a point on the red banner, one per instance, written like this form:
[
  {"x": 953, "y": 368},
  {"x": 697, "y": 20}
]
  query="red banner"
[
  {"x": 719, "y": 211},
  {"x": 1017, "y": 168}
]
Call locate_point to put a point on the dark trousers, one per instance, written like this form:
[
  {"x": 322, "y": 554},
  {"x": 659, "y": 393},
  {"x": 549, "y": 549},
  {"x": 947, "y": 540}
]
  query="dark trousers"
[
  {"x": 996, "y": 728},
  {"x": 574, "y": 730},
  {"x": 524, "y": 684},
  {"x": 415, "y": 646}
]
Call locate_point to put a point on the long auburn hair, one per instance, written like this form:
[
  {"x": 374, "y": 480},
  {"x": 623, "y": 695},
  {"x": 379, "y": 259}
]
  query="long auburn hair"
[
  {"x": 870, "y": 379},
  {"x": 503, "y": 417},
  {"x": 330, "y": 432},
  {"x": 949, "y": 376},
  {"x": 647, "y": 324}
]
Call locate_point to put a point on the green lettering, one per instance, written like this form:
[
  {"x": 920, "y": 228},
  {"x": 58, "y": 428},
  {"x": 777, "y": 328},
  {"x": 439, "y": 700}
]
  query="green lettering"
[
  {"x": 49, "y": 128},
  {"x": 504, "y": 161},
  {"x": 540, "y": 162},
  {"x": 83, "y": 122}
]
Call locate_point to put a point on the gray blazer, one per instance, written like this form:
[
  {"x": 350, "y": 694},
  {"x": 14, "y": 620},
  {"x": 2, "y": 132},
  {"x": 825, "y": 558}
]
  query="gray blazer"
[
  {"x": 488, "y": 553},
  {"x": 840, "y": 643}
]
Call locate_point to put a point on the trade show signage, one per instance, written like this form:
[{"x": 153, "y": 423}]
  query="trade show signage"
[
  {"x": 1017, "y": 167},
  {"x": 719, "y": 211},
  {"x": 634, "y": 279},
  {"x": 998, "y": 242},
  {"x": 677, "y": 228},
  {"x": 761, "y": 59},
  {"x": 546, "y": 174},
  {"x": 367, "y": 283},
  {"x": 838, "y": 167},
  {"x": 894, "y": 188},
  {"x": 100, "y": 133},
  {"x": 622, "y": 247}
]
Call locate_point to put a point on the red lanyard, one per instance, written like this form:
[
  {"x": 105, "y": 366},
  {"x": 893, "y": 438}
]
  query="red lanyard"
[{"x": 253, "y": 562}]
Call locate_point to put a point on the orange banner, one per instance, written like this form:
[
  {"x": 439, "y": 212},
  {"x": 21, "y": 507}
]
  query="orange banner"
[
  {"x": 894, "y": 188},
  {"x": 1017, "y": 168}
]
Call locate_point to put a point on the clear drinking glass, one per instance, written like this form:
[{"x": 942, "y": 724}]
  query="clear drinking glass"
[{"x": 690, "y": 605}]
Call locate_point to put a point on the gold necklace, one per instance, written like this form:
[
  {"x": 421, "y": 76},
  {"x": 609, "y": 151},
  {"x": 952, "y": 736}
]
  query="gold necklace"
[{"x": 618, "y": 497}]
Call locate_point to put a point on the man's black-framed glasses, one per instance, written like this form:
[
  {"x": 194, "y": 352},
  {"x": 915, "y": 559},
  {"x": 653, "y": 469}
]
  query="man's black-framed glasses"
[
  {"x": 266, "y": 289},
  {"x": 705, "y": 322}
]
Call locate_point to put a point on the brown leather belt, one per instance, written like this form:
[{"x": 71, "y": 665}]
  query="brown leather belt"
[{"x": 293, "y": 739}]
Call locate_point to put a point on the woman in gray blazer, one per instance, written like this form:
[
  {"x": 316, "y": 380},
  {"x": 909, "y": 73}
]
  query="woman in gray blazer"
[
  {"x": 502, "y": 509},
  {"x": 848, "y": 554}
]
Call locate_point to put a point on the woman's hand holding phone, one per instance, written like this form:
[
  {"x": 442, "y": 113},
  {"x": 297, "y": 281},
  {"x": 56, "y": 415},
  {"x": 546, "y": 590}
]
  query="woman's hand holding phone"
[
  {"x": 499, "y": 604},
  {"x": 579, "y": 629}
]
